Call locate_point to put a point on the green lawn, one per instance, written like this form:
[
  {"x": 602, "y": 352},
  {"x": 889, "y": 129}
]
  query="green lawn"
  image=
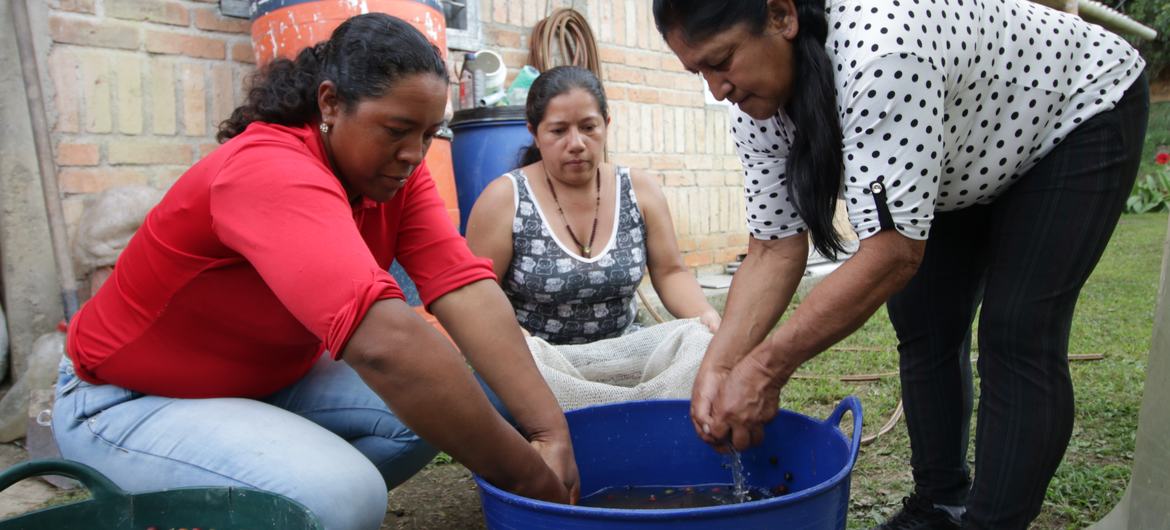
[
  {"x": 1158, "y": 134},
  {"x": 1114, "y": 317}
]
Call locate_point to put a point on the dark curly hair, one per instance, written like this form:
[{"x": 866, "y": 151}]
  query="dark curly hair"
[
  {"x": 815, "y": 162},
  {"x": 364, "y": 58},
  {"x": 550, "y": 84}
]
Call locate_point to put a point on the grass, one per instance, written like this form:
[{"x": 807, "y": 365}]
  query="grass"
[
  {"x": 1157, "y": 135},
  {"x": 1114, "y": 317}
]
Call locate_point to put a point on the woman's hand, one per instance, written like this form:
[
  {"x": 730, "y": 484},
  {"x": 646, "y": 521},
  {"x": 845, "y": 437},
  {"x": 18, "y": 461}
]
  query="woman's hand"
[
  {"x": 708, "y": 383},
  {"x": 711, "y": 319},
  {"x": 558, "y": 455},
  {"x": 540, "y": 484},
  {"x": 747, "y": 399}
]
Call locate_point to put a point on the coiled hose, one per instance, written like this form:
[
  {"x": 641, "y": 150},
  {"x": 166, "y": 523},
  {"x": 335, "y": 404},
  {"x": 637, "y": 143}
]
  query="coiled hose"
[{"x": 564, "y": 38}]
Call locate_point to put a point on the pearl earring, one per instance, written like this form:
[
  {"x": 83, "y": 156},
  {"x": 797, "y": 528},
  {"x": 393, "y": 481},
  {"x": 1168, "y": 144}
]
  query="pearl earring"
[{"x": 324, "y": 128}]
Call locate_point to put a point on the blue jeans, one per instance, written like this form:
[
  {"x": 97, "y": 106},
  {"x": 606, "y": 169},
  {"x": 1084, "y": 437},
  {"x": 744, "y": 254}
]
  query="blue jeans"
[{"x": 327, "y": 441}]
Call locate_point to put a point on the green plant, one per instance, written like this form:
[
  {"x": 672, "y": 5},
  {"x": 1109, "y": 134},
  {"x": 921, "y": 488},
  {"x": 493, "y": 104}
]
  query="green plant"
[{"x": 1151, "y": 193}]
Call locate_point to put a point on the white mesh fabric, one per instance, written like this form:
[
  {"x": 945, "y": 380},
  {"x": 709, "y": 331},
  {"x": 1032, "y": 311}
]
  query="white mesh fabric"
[{"x": 658, "y": 362}]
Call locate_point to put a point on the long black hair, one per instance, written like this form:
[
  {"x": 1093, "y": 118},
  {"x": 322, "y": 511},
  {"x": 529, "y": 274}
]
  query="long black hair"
[
  {"x": 814, "y": 163},
  {"x": 550, "y": 84},
  {"x": 364, "y": 58}
]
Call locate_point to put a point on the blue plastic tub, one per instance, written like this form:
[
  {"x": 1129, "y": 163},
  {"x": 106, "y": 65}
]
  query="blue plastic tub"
[
  {"x": 487, "y": 142},
  {"x": 652, "y": 443}
]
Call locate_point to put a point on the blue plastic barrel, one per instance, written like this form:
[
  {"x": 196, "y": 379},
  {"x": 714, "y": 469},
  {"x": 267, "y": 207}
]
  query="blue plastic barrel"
[
  {"x": 652, "y": 443},
  {"x": 487, "y": 143}
]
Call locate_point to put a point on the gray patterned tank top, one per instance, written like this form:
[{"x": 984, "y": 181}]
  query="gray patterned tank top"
[{"x": 564, "y": 298}]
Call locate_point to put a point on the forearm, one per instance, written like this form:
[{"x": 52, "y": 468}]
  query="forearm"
[
  {"x": 481, "y": 321},
  {"x": 417, "y": 372},
  {"x": 841, "y": 303},
  {"x": 760, "y": 292},
  {"x": 680, "y": 293}
]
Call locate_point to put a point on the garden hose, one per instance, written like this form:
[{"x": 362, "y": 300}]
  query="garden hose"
[{"x": 564, "y": 38}]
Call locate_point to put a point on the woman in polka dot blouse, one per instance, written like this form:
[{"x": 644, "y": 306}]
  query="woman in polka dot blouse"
[{"x": 983, "y": 150}]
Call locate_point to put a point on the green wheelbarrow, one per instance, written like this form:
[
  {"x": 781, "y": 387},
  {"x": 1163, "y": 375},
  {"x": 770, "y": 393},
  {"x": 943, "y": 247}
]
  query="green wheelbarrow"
[{"x": 111, "y": 508}]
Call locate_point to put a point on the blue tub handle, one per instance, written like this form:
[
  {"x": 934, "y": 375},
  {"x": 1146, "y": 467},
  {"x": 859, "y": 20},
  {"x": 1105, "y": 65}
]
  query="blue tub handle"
[{"x": 852, "y": 404}]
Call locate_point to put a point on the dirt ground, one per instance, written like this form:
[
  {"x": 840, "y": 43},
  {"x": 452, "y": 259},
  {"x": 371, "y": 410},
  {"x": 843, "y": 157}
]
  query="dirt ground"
[{"x": 440, "y": 497}]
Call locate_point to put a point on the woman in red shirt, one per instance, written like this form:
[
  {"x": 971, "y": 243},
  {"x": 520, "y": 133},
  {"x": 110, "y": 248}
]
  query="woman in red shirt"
[{"x": 200, "y": 362}]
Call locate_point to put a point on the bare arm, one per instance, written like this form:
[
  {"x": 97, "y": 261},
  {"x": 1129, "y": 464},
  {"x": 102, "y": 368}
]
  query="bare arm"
[
  {"x": 489, "y": 227},
  {"x": 427, "y": 384},
  {"x": 760, "y": 292},
  {"x": 835, "y": 308},
  {"x": 480, "y": 320},
  {"x": 672, "y": 279}
]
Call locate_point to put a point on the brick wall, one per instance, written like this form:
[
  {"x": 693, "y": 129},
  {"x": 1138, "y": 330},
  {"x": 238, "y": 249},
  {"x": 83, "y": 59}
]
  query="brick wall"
[
  {"x": 660, "y": 120},
  {"x": 139, "y": 86},
  {"x": 137, "y": 89}
]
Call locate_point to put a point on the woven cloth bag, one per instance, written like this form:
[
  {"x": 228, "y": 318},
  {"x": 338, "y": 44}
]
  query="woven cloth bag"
[{"x": 658, "y": 362}]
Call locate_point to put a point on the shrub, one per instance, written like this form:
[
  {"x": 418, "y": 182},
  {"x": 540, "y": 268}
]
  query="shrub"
[{"x": 1151, "y": 193}]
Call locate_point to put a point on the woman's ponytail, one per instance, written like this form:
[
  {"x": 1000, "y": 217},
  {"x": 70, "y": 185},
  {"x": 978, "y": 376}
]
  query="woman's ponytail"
[
  {"x": 815, "y": 159},
  {"x": 283, "y": 92}
]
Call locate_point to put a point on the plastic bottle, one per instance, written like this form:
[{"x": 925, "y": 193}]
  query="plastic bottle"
[{"x": 467, "y": 82}]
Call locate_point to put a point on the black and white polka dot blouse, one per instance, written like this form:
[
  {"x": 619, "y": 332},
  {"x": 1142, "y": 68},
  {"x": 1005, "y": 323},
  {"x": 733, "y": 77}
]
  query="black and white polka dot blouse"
[{"x": 943, "y": 104}]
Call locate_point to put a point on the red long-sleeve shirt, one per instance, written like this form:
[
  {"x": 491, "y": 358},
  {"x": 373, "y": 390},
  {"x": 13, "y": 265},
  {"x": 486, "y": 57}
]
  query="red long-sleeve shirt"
[{"x": 253, "y": 264}]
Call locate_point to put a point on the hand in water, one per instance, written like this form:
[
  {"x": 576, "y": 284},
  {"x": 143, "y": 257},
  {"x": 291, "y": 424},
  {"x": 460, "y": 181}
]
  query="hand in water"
[
  {"x": 707, "y": 383},
  {"x": 558, "y": 456},
  {"x": 747, "y": 399}
]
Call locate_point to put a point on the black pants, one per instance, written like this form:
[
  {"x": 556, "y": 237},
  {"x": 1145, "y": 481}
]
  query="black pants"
[{"x": 1024, "y": 258}]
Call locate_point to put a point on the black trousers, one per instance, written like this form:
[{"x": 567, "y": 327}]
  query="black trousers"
[{"x": 1024, "y": 258}]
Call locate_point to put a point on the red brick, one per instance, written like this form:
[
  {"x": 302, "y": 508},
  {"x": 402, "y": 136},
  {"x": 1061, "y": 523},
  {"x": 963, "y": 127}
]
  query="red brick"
[
  {"x": 635, "y": 161},
  {"x": 698, "y": 258},
  {"x": 644, "y": 95},
  {"x": 77, "y": 154},
  {"x": 242, "y": 53},
  {"x": 624, "y": 74},
  {"x": 65, "y": 71},
  {"x": 682, "y": 82},
  {"x": 209, "y": 19},
  {"x": 728, "y": 254},
  {"x": 616, "y": 93},
  {"x": 161, "y": 11},
  {"x": 100, "y": 34},
  {"x": 76, "y": 6},
  {"x": 74, "y": 180},
  {"x": 149, "y": 153},
  {"x": 514, "y": 57},
  {"x": 207, "y": 149},
  {"x": 504, "y": 38},
  {"x": 666, "y": 162},
  {"x": 610, "y": 54},
  {"x": 679, "y": 178},
  {"x": 670, "y": 62},
  {"x": 181, "y": 44},
  {"x": 651, "y": 60},
  {"x": 687, "y": 244}
]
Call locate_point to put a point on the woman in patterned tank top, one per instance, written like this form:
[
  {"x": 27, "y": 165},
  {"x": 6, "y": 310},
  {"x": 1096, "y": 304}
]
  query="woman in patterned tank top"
[{"x": 570, "y": 235}]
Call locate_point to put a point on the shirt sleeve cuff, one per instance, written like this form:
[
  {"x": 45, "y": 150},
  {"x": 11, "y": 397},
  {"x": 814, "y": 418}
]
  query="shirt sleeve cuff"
[
  {"x": 347, "y": 319},
  {"x": 455, "y": 277}
]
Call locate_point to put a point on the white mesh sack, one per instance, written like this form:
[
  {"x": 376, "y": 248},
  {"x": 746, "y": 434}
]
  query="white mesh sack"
[{"x": 658, "y": 362}]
